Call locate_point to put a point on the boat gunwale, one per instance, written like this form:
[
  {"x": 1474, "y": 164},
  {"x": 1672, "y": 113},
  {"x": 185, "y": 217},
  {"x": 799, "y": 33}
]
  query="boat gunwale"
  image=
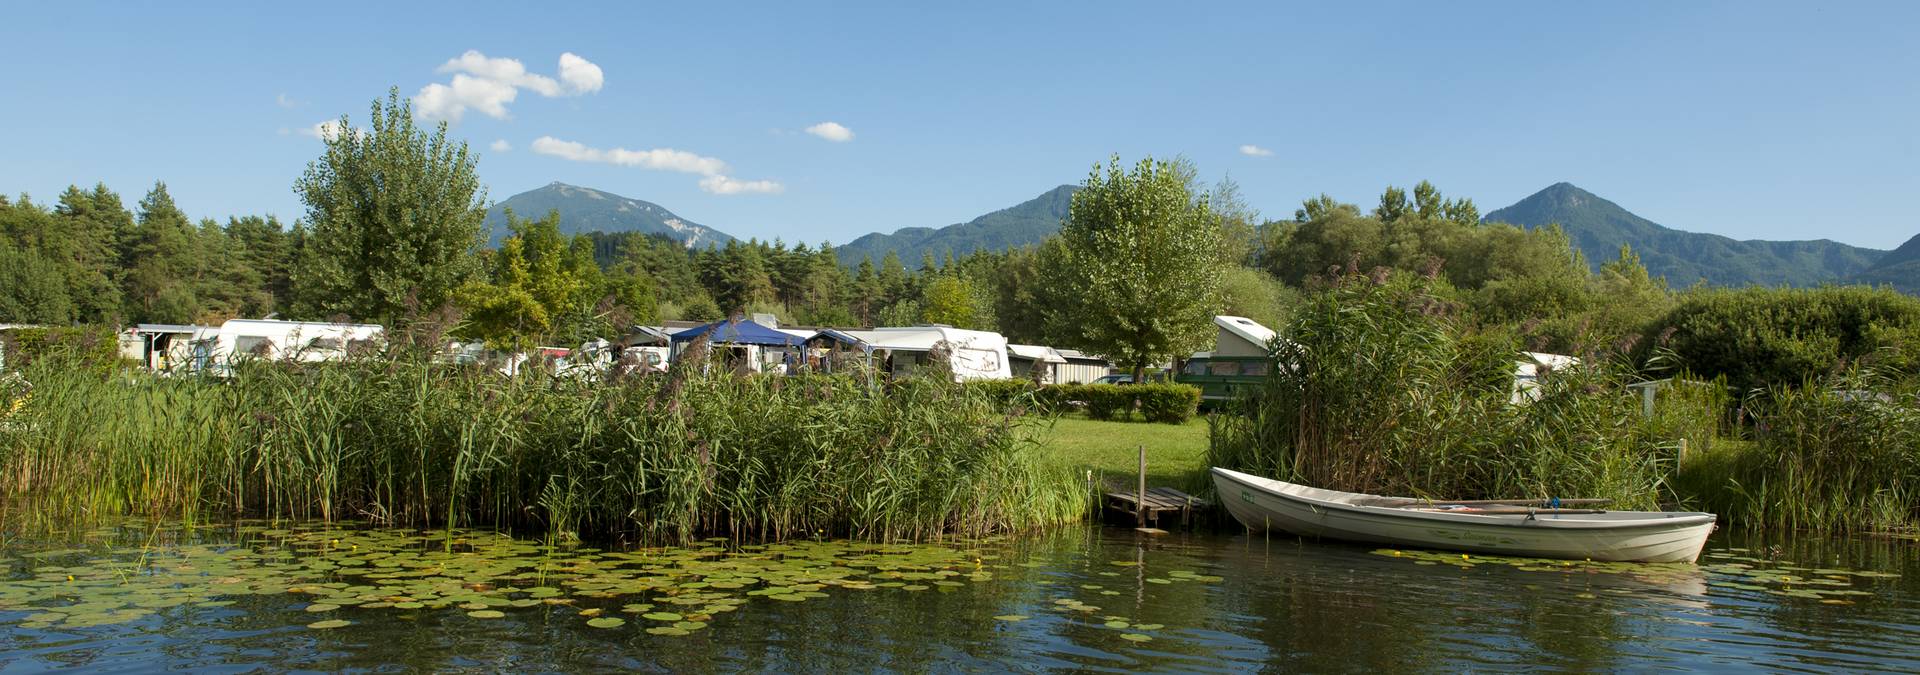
[{"x": 1665, "y": 519}]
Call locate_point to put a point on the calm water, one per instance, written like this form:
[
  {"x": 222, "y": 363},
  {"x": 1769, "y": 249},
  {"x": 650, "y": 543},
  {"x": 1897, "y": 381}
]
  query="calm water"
[{"x": 243, "y": 598}]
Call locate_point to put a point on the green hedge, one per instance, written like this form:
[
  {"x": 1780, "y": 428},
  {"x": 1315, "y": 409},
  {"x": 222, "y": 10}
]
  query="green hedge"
[
  {"x": 94, "y": 346},
  {"x": 1166, "y": 403}
]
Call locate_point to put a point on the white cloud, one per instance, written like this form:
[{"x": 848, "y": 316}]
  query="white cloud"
[
  {"x": 286, "y": 101},
  {"x": 450, "y": 101},
  {"x": 665, "y": 159},
  {"x": 831, "y": 131},
  {"x": 488, "y": 84},
  {"x": 1255, "y": 151},
  {"x": 722, "y": 185},
  {"x": 580, "y": 75},
  {"x": 713, "y": 171},
  {"x": 327, "y": 130},
  {"x": 500, "y": 146},
  {"x": 503, "y": 70}
]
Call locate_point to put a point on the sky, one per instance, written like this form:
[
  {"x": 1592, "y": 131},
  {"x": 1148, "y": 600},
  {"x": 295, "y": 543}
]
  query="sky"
[{"x": 826, "y": 121}]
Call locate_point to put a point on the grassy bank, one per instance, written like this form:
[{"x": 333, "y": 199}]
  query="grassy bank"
[
  {"x": 1176, "y": 453},
  {"x": 644, "y": 459}
]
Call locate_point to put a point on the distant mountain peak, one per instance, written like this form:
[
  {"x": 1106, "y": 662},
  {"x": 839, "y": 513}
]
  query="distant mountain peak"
[
  {"x": 1023, "y": 224},
  {"x": 1599, "y": 227},
  {"x": 585, "y": 209}
]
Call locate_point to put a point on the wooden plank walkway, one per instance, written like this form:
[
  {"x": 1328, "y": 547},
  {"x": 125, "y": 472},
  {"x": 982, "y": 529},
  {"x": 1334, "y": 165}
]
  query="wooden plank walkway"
[{"x": 1160, "y": 501}]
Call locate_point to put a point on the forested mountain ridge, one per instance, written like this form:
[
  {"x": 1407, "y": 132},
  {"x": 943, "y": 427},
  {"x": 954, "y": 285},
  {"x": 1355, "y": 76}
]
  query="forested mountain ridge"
[
  {"x": 1023, "y": 224},
  {"x": 1598, "y": 228},
  {"x": 1900, "y": 268},
  {"x": 584, "y": 210}
]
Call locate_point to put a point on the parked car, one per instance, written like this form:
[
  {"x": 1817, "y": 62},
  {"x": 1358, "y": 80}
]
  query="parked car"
[{"x": 1116, "y": 378}]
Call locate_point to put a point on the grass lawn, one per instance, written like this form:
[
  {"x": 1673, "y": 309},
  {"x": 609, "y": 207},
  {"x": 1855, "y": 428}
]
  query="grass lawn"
[{"x": 1176, "y": 454}]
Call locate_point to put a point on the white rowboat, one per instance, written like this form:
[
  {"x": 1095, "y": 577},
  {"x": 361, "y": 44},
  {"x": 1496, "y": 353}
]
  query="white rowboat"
[{"x": 1579, "y": 534}]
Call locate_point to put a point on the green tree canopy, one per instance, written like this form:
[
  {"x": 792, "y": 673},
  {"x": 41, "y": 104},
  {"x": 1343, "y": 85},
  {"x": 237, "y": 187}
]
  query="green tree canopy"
[
  {"x": 1139, "y": 268},
  {"x": 394, "y": 216}
]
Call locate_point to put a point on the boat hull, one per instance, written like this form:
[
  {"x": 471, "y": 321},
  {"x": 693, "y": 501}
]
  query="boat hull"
[{"x": 1269, "y": 505}]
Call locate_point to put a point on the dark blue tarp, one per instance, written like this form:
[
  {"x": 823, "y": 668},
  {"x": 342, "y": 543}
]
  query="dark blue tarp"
[{"x": 739, "y": 332}]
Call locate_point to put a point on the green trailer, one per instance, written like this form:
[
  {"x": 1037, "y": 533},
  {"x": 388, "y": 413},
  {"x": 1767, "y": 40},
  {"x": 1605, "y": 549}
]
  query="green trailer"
[{"x": 1224, "y": 378}]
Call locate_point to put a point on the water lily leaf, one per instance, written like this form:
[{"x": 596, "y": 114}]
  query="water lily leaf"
[
  {"x": 1011, "y": 617},
  {"x": 329, "y": 623},
  {"x": 486, "y": 614},
  {"x": 1136, "y": 637},
  {"x": 607, "y": 622}
]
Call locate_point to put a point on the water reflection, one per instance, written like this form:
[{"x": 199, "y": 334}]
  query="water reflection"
[{"x": 1101, "y": 600}]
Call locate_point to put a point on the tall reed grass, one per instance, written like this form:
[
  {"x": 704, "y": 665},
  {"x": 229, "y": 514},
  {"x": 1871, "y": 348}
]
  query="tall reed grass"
[
  {"x": 1379, "y": 389},
  {"x": 650, "y": 459},
  {"x": 1841, "y": 453}
]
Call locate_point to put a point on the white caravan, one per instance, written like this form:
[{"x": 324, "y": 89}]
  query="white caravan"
[
  {"x": 215, "y": 350},
  {"x": 974, "y": 354}
]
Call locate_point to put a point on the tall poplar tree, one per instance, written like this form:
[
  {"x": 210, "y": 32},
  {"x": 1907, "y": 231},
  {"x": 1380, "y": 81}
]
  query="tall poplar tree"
[
  {"x": 394, "y": 215},
  {"x": 1137, "y": 275}
]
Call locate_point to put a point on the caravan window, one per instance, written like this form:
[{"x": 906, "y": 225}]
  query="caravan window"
[
  {"x": 1254, "y": 368},
  {"x": 253, "y": 344}
]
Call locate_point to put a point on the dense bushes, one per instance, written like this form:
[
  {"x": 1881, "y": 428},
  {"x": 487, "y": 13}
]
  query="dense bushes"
[
  {"x": 1166, "y": 403},
  {"x": 94, "y": 347},
  {"x": 1762, "y": 337},
  {"x": 658, "y": 458}
]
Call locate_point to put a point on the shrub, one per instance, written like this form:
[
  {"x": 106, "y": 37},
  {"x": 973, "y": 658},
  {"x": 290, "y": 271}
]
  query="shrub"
[
  {"x": 94, "y": 347},
  {"x": 1784, "y": 337},
  {"x": 1167, "y": 403}
]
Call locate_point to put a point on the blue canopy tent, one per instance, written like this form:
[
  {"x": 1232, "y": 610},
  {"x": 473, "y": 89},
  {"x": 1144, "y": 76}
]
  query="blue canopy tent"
[
  {"x": 744, "y": 342},
  {"x": 738, "y": 332}
]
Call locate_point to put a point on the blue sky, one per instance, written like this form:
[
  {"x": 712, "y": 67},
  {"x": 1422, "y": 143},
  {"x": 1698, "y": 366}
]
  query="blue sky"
[{"x": 1753, "y": 120}]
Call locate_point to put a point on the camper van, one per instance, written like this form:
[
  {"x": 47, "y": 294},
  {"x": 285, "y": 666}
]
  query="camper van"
[{"x": 215, "y": 350}]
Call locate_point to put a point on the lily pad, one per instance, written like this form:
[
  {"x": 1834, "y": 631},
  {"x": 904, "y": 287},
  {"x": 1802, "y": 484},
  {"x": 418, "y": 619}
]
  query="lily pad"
[
  {"x": 329, "y": 623},
  {"x": 607, "y": 622}
]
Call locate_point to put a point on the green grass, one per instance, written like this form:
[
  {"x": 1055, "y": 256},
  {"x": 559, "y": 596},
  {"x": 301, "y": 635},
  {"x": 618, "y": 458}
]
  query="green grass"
[{"x": 1176, "y": 453}]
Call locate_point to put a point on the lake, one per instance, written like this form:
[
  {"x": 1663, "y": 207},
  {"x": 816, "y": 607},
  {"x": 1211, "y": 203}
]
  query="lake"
[{"x": 312, "y": 597}]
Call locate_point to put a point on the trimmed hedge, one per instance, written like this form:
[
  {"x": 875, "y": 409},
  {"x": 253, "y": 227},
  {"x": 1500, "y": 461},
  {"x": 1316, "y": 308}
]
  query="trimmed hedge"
[{"x": 1166, "y": 403}]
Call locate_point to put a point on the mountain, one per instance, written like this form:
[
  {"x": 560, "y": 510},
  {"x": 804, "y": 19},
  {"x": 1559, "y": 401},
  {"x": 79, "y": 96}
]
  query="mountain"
[
  {"x": 1900, "y": 268},
  {"x": 1598, "y": 227},
  {"x": 1023, "y": 224},
  {"x": 588, "y": 210}
]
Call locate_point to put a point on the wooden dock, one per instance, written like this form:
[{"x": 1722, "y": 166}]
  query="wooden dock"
[{"x": 1159, "y": 501}]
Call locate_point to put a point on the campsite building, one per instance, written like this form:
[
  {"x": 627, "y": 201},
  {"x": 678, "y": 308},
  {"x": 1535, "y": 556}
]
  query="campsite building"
[
  {"x": 1035, "y": 362},
  {"x": 1080, "y": 367}
]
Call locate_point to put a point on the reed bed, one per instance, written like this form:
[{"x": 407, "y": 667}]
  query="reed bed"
[
  {"x": 1838, "y": 454},
  {"x": 649, "y": 459},
  {"x": 1379, "y": 389}
]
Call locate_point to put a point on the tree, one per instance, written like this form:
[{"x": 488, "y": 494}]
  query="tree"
[
  {"x": 539, "y": 287},
  {"x": 949, "y": 300},
  {"x": 33, "y": 289},
  {"x": 393, "y": 214},
  {"x": 160, "y": 283},
  {"x": 1138, "y": 271}
]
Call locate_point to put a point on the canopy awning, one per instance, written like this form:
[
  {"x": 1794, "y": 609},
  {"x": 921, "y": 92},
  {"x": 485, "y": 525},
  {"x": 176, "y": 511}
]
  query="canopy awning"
[
  {"x": 738, "y": 332},
  {"x": 1040, "y": 353}
]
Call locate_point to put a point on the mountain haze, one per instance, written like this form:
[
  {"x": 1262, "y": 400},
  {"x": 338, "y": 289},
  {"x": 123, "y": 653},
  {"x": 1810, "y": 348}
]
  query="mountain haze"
[
  {"x": 1598, "y": 227},
  {"x": 585, "y": 210},
  {"x": 1023, "y": 224}
]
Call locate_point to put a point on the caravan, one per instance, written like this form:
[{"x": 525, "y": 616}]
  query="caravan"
[{"x": 215, "y": 350}]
